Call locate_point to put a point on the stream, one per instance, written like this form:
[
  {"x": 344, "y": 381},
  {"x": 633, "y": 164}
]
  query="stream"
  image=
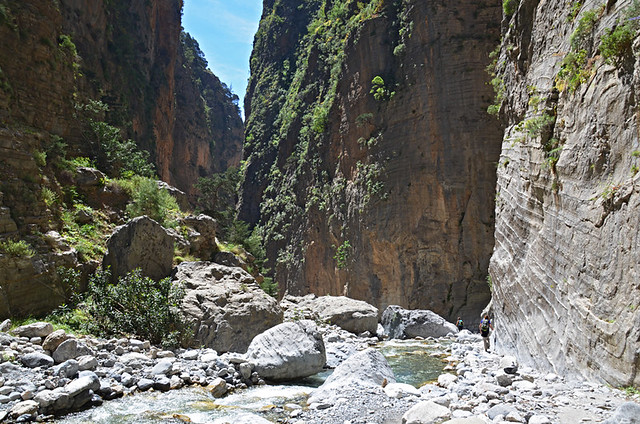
[{"x": 414, "y": 362}]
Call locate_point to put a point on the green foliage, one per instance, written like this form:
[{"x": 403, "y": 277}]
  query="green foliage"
[
  {"x": 136, "y": 305},
  {"x": 18, "y": 249},
  {"x": 509, "y": 7},
  {"x": 67, "y": 45},
  {"x": 49, "y": 197},
  {"x": 119, "y": 157},
  {"x": 342, "y": 254},
  {"x": 87, "y": 238},
  {"x": 535, "y": 126},
  {"x": 616, "y": 44},
  {"x": 573, "y": 71},
  {"x": 40, "y": 158},
  {"x": 582, "y": 35},
  {"x": 218, "y": 196},
  {"x": 489, "y": 282},
  {"x": 379, "y": 91},
  {"x": 149, "y": 199},
  {"x": 575, "y": 9},
  {"x": 496, "y": 82},
  {"x": 270, "y": 287},
  {"x": 364, "y": 119}
]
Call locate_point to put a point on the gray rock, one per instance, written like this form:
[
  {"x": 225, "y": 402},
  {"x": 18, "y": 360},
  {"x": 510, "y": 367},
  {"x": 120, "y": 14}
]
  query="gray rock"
[
  {"x": 28, "y": 407},
  {"x": 5, "y": 325},
  {"x": 144, "y": 384},
  {"x": 509, "y": 364},
  {"x": 36, "y": 359},
  {"x": 87, "y": 362},
  {"x": 349, "y": 314},
  {"x": 67, "y": 369},
  {"x": 500, "y": 409},
  {"x": 400, "y": 323},
  {"x": 70, "y": 349},
  {"x": 427, "y": 412},
  {"x": 627, "y": 413},
  {"x": 88, "y": 381},
  {"x": 367, "y": 368},
  {"x": 162, "y": 367},
  {"x": 89, "y": 177},
  {"x": 218, "y": 387},
  {"x": 226, "y": 306},
  {"x": 243, "y": 418},
  {"x": 288, "y": 351},
  {"x": 202, "y": 241},
  {"x": 37, "y": 329},
  {"x": 162, "y": 383},
  {"x": 468, "y": 420},
  {"x": 141, "y": 243}
]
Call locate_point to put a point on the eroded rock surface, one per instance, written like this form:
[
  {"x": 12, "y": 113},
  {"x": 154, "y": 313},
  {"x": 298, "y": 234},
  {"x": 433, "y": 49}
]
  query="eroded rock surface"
[
  {"x": 400, "y": 323},
  {"x": 226, "y": 306}
]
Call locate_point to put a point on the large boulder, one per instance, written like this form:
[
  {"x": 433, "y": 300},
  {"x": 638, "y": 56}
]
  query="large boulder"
[
  {"x": 141, "y": 243},
  {"x": 349, "y": 314},
  {"x": 427, "y": 412},
  {"x": 288, "y": 351},
  {"x": 400, "y": 323},
  {"x": 366, "y": 369},
  {"x": 225, "y": 305},
  {"x": 201, "y": 236}
]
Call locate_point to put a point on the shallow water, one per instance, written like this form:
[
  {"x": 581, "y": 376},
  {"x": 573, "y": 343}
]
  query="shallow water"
[{"x": 410, "y": 360}]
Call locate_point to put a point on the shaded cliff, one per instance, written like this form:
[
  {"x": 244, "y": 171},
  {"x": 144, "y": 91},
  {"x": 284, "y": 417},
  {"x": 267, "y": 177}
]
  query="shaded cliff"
[
  {"x": 567, "y": 256},
  {"x": 370, "y": 157},
  {"x": 73, "y": 75}
]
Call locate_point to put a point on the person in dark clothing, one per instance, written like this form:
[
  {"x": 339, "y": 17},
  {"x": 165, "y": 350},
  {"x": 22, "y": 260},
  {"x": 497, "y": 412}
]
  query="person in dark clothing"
[{"x": 485, "y": 328}]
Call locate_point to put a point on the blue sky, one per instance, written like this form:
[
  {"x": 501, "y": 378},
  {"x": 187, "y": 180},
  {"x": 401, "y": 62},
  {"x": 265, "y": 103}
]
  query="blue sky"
[{"x": 224, "y": 30}]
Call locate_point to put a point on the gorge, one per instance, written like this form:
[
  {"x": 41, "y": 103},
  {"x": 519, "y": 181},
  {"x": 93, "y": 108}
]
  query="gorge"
[{"x": 370, "y": 165}]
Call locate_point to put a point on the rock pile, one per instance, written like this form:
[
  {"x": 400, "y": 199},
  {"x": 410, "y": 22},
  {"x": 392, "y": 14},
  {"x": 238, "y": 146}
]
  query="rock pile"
[{"x": 45, "y": 372}]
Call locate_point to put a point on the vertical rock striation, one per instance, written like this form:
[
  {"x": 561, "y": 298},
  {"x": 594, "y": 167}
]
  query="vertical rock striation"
[
  {"x": 567, "y": 256},
  {"x": 382, "y": 188}
]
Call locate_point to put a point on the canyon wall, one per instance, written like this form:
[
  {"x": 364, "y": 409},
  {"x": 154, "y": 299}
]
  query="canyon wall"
[
  {"x": 566, "y": 263},
  {"x": 58, "y": 59},
  {"x": 370, "y": 158}
]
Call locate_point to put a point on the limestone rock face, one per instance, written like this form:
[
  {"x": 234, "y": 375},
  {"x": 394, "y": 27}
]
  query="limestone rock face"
[
  {"x": 565, "y": 264},
  {"x": 400, "y": 323},
  {"x": 226, "y": 306},
  {"x": 141, "y": 243},
  {"x": 288, "y": 351},
  {"x": 387, "y": 200}
]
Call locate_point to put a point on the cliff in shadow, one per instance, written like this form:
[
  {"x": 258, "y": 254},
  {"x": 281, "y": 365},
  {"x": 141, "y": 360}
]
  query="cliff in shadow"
[
  {"x": 370, "y": 158},
  {"x": 567, "y": 255}
]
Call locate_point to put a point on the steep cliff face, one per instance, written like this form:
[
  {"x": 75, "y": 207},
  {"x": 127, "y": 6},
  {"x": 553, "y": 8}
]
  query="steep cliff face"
[
  {"x": 566, "y": 261},
  {"x": 369, "y": 146},
  {"x": 56, "y": 58}
]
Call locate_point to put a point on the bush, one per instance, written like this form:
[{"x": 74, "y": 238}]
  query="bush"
[
  {"x": 573, "y": 71},
  {"x": 16, "y": 248},
  {"x": 509, "y": 7},
  {"x": 149, "y": 199},
  {"x": 582, "y": 34},
  {"x": 136, "y": 305},
  {"x": 616, "y": 44}
]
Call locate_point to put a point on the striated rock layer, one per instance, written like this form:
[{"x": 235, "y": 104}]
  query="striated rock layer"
[
  {"x": 383, "y": 196},
  {"x": 567, "y": 258}
]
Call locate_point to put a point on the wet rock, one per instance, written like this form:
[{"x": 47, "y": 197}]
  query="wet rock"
[
  {"x": 37, "y": 329},
  {"x": 288, "y": 351},
  {"x": 226, "y": 305},
  {"x": 162, "y": 367},
  {"x": 36, "y": 359},
  {"x": 162, "y": 383},
  {"x": 218, "y": 387},
  {"x": 141, "y": 243},
  {"x": 144, "y": 384},
  {"x": 243, "y": 419},
  {"x": 400, "y": 323}
]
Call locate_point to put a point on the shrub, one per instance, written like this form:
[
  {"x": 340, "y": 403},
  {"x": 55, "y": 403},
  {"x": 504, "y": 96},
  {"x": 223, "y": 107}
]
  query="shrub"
[
  {"x": 342, "y": 254},
  {"x": 573, "y": 71},
  {"x": 136, "y": 305},
  {"x": 16, "y": 248},
  {"x": 582, "y": 34},
  {"x": 40, "y": 158},
  {"x": 509, "y": 7},
  {"x": 379, "y": 91},
  {"x": 616, "y": 44},
  {"x": 149, "y": 199}
]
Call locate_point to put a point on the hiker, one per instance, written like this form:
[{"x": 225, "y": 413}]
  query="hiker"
[
  {"x": 485, "y": 327},
  {"x": 460, "y": 324}
]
